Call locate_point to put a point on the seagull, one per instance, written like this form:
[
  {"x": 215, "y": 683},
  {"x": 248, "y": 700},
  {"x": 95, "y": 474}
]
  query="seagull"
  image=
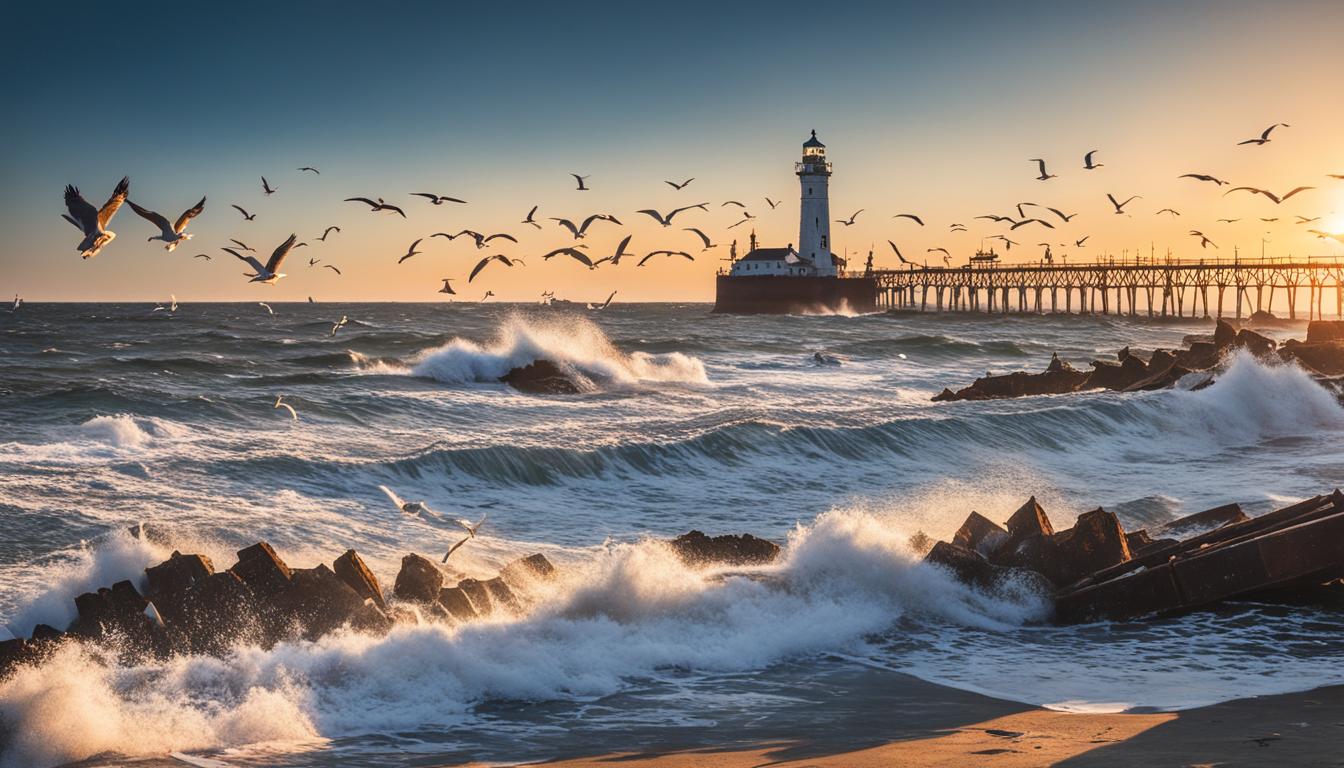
[
  {"x": 1007, "y": 244},
  {"x": 850, "y": 221},
  {"x": 172, "y": 234},
  {"x": 578, "y": 255},
  {"x": 732, "y": 202},
  {"x": 1304, "y": 220},
  {"x": 1022, "y": 213},
  {"x": 680, "y": 186},
  {"x": 580, "y": 231},
  {"x": 471, "y": 534},
  {"x": 1079, "y": 243},
  {"x": 1044, "y": 176},
  {"x": 994, "y": 218},
  {"x": 1202, "y": 177},
  {"x": 1335, "y": 176},
  {"x": 447, "y": 286},
  {"x": 944, "y": 250},
  {"x": 378, "y": 206},
  {"x": 241, "y": 245},
  {"x": 1065, "y": 216},
  {"x": 1228, "y": 221},
  {"x": 702, "y": 236},
  {"x": 310, "y": 168},
  {"x": 313, "y": 263},
  {"x": 1119, "y": 206},
  {"x": 333, "y": 269},
  {"x": 205, "y": 256},
  {"x": 1204, "y": 241},
  {"x": 267, "y": 274},
  {"x": 957, "y": 228},
  {"x": 487, "y": 295},
  {"x": 505, "y": 260},
  {"x": 899, "y": 255},
  {"x": 775, "y": 203},
  {"x": 688, "y": 256},
  {"x": 93, "y": 221},
  {"x": 267, "y": 306},
  {"x": 338, "y": 324},
  {"x": 1172, "y": 211},
  {"x": 529, "y": 219},
  {"x": 246, "y": 216},
  {"x": 1025, "y": 222},
  {"x": 580, "y": 179},
  {"x": 909, "y": 216},
  {"x": 1276, "y": 218},
  {"x": 746, "y": 216},
  {"x": 280, "y": 403},
  {"x": 410, "y": 251},
  {"x": 172, "y": 306},
  {"x": 1326, "y": 235},
  {"x": 1264, "y": 137},
  {"x": 667, "y": 220},
  {"x": 18, "y": 302},
  {"x": 266, "y": 187},
  {"x": 1276, "y": 198},
  {"x": 603, "y": 305},
  {"x": 437, "y": 199},
  {"x": 328, "y": 231},
  {"x": 409, "y": 507},
  {"x": 615, "y": 258},
  {"x": 1088, "y": 165}
]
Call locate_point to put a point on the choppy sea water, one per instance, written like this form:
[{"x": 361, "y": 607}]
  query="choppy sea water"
[{"x": 112, "y": 415}]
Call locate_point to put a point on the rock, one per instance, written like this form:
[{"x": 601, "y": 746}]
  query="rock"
[
  {"x": 1163, "y": 379},
  {"x": 455, "y": 601},
  {"x": 318, "y": 600},
  {"x": 262, "y": 570},
  {"x": 12, "y": 654},
  {"x": 371, "y": 619},
  {"x": 696, "y": 548},
  {"x": 1160, "y": 360},
  {"x": 946, "y": 395},
  {"x": 215, "y": 613},
  {"x": 969, "y": 567},
  {"x": 1200, "y": 356},
  {"x": 46, "y": 632},
  {"x": 1143, "y": 355},
  {"x": 1116, "y": 376},
  {"x": 1325, "y": 331},
  {"x": 117, "y": 609},
  {"x": 174, "y": 576},
  {"x": 1197, "y": 338},
  {"x": 821, "y": 358},
  {"x": 419, "y": 579},
  {"x": 1029, "y": 520},
  {"x": 1260, "y": 317},
  {"x": 542, "y": 377},
  {"x": 478, "y": 595},
  {"x": 1096, "y": 541},
  {"x": 525, "y": 570},
  {"x": 1224, "y": 334},
  {"x": 921, "y": 542},
  {"x": 980, "y": 534},
  {"x": 350, "y": 568},
  {"x": 1256, "y": 344},
  {"x": 501, "y": 597},
  {"x": 1324, "y": 358},
  {"x": 1200, "y": 522},
  {"x": 1059, "y": 377}
]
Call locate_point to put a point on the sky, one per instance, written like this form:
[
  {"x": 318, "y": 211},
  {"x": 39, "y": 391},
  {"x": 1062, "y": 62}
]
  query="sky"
[{"x": 933, "y": 109}]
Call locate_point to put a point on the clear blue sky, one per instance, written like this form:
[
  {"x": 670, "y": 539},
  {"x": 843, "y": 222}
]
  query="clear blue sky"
[{"x": 928, "y": 107}]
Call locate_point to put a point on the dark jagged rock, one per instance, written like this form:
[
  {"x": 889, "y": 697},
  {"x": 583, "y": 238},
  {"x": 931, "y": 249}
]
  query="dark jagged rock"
[
  {"x": 350, "y": 568},
  {"x": 980, "y": 534},
  {"x": 1224, "y": 334},
  {"x": 542, "y": 377},
  {"x": 117, "y": 609},
  {"x": 1143, "y": 355},
  {"x": 478, "y": 595},
  {"x": 1094, "y": 542},
  {"x": 1029, "y": 520},
  {"x": 13, "y": 653},
  {"x": 262, "y": 570},
  {"x": 1116, "y": 376},
  {"x": 1163, "y": 379},
  {"x": 213, "y": 614},
  {"x": 46, "y": 632},
  {"x": 970, "y": 567},
  {"x": 527, "y": 569},
  {"x": 455, "y": 601},
  {"x": 1256, "y": 344},
  {"x": 1200, "y": 522},
  {"x": 419, "y": 579},
  {"x": 1160, "y": 360},
  {"x": 318, "y": 600},
  {"x": 175, "y": 575},
  {"x": 1059, "y": 377},
  {"x": 1200, "y": 356},
  {"x": 500, "y": 594},
  {"x": 1325, "y": 331},
  {"x": 946, "y": 395},
  {"x": 1323, "y": 358},
  {"x": 697, "y": 548}
]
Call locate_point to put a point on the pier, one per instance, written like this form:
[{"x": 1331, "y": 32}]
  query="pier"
[{"x": 1162, "y": 287}]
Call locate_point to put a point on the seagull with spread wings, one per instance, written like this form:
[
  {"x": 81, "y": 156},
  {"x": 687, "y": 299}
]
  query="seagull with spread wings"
[
  {"x": 375, "y": 207},
  {"x": 1276, "y": 198},
  {"x": 615, "y": 258},
  {"x": 269, "y": 272},
  {"x": 680, "y": 186},
  {"x": 93, "y": 221},
  {"x": 1119, "y": 206},
  {"x": 1044, "y": 176},
  {"x": 438, "y": 199},
  {"x": 246, "y": 216},
  {"x": 170, "y": 234},
  {"x": 267, "y": 188},
  {"x": 531, "y": 217},
  {"x": 501, "y": 258},
  {"x": 688, "y": 256},
  {"x": 1264, "y": 136},
  {"x": 666, "y": 221},
  {"x": 411, "y": 251},
  {"x": 703, "y": 237}
]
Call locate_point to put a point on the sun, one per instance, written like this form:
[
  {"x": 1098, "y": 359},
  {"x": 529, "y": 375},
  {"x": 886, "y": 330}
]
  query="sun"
[{"x": 1334, "y": 224}]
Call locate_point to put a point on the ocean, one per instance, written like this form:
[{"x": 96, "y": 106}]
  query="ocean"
[{"x": 113, "y": 415}]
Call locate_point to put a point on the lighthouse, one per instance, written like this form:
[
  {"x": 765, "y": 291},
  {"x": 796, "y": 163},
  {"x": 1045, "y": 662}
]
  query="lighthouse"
[{"x": 814, "y": 217}]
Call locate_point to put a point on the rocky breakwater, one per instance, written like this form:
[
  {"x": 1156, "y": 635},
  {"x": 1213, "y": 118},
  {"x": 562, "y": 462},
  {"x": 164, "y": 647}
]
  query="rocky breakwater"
[
  {"x": 1320, "y": 354},
  {"x": 1097, "y": 570}
]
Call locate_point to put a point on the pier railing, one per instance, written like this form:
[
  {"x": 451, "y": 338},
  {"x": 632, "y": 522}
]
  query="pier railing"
[{"x": 1121, "y": 286}]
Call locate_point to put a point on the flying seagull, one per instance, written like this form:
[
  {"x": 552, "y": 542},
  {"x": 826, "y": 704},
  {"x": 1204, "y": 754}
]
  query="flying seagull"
[
  {"x": 1228, "y": 221},
  {"x": 603, "y": 305},
  {"x": 447, "y": 286},
  {"x": 1202, "y": 177},
  {"x": 530, "y": 219},
  {"x": 1065, "y": 216},
  {"x": 850, "y": 221},
  {"x": 310, "y": 168},
  {"x": 680, "y": 186},
  {"x": 437, "y": 199},
  {"x": 505, "y": 260},
  {"x": 1119, "y": 206},
  {"x": 205, "y": 256},
  {"x": 1276, "y": 198},
  {"x": 328, "y": 231},
  {"x": 471, "y": 534},
  {"x": 1304, "y": 220},
  {"x": 944, "y": 250},
  {"x": 667, "y": 220},
  {"x": 267, "y": 307},
  {"x": 241, "y": 245},
  {"x": 772, "y": 203},
  {"x": 688, "y": 256},
  {"x": 1172, "y": 211},
  {"x": 170, "y": 234},
  {"x": 732, "y": 202},
  {"x": 580, "y": 179},
  {"x": 746, "y": 216},
  {"x": 1264, "y": 136},
  {"x": 909, "y": 216},
  {"x": 575, "y": 254},
  {"x": 615, "y": 258},
  {"x": 93, "y": 221},
  {"x": 333, "y": 269},
  {"x": 411, "y": 251},
  {"x": 376, "y": 206},
  {"x": 1025, "y": 222},
  {"x": 1079, "y": 243},
  {"x": 408, "y": 507},
  {"x": 1204, "y": 241},
  {"x": 280, "y": 403},
  {"x": 702, "y": 236},
  {"x": 269, "y": 273},
  {"x": 582, "y": 229},
  {"x": 266, "y": 187},
  {"x": 487, "y": 295},
  {"x": 337, "y": 325},
  {"x": 1088, "y": 165},
  {"x": 899, "y": 255},
  {"x": 1044, "y": 176}
]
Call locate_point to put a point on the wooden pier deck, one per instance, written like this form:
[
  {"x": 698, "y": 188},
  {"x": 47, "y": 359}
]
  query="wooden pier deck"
[{"x": 1155, "y": 287}]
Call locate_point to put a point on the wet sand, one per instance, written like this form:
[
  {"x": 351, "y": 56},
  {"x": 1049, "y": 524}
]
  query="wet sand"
[{"x": 955, "y": 728}]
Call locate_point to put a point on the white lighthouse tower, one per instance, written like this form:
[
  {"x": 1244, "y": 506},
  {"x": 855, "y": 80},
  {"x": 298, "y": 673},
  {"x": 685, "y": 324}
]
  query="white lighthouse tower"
[{"x": 814, "y": 220}]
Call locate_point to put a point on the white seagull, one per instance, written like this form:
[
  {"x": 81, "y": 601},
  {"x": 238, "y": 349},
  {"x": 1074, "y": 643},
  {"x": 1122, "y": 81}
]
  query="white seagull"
[
  {"x": 336, "y": 326},
  {"x": 409, "y": 507},
  {"x": 269, "y": 272},
  {"x": 170, "y": 234},
  {"x": 93, "y": 222},
  {"x": 280, "y": 403},
  {"x": 471, "y": 534}
]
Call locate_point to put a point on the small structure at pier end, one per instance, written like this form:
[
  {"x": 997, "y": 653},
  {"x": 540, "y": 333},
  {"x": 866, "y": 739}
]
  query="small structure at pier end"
[{"x": 808, "y": 278}]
